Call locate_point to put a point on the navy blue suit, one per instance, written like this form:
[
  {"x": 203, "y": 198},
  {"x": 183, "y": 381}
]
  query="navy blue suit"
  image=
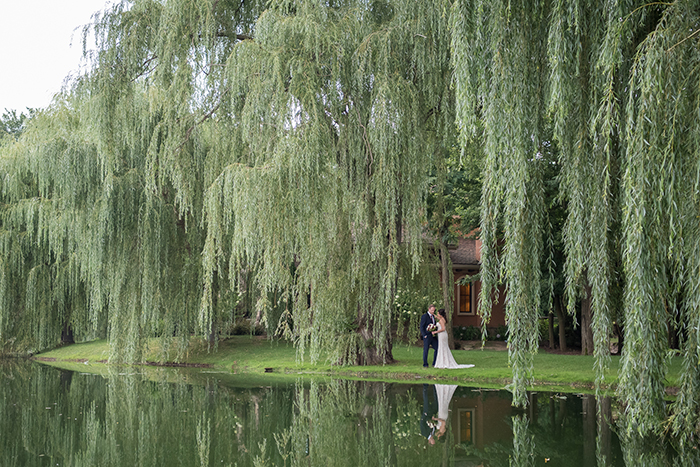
[
  {"x": 429, "y": 340},
  {"x": 430, "y": 408}
]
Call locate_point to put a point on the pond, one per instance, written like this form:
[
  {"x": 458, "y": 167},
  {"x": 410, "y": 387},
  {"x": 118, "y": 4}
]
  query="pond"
[{"x": 132, "y": 416}]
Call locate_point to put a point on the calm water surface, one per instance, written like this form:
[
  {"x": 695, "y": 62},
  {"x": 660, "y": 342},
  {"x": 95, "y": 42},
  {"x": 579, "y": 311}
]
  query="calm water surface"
[{"x": 168, "y": 417}]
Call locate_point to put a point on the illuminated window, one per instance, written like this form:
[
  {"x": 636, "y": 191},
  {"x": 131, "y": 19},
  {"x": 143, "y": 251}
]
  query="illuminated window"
[
  {"x": 465, "y": 299},
  {"x": 466, "y": 419}
]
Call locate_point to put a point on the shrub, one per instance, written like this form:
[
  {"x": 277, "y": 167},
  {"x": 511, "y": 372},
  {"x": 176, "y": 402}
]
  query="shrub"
[
  {"x": 242, "y": 327},
  {"x": 466, "y": 333},
  {"x": 500, "y": 333},
  {"x": 411, "y": 304}
]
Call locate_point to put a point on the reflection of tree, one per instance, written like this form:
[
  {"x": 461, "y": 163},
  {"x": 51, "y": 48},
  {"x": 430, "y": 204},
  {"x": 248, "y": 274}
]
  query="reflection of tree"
[
  {"x": 49, "y": 417},
  {"x": 127, "y": 419},
  {"x": 161, "y": 423},
  {"x": 654, "y": 451},
  {"x": 604, "y": 441},
  {"x": 348, "y": 424},
  {"x": 556, "y": 429},
  {"x": 573, "y": 431},
  {"x": 523, "y": 443}
]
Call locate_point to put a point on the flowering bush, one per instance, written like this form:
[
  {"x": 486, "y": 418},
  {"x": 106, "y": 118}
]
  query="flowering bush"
[
  {"x": 408, "y": 413},
  {"x": 411, "y": 304}
]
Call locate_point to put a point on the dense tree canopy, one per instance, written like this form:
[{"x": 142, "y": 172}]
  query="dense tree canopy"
[
  {"x": 211, "y": 138},
  {"x": 616, "y": 77},
  {"x": 297, "y": 140}
]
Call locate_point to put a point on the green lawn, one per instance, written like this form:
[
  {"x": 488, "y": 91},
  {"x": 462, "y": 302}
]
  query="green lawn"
[{"x": 252, "y": 355}]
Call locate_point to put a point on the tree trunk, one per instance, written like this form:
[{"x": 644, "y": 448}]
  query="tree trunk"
[
  {"x": 214, "y": 304},
  {"x": 550, "y": 320},
  {"x": 586, "y": 324},
  {"x": 604, "y": 430},
  {"x": 366, "y": 350},
  {"x": 67, "y": 334},
  {"x": 447, "y": 289},
  {"x": 369, "y": 354},
  {"x": 589, "y": 430},
  {"x": 559, "y": 310},
  {"x": 619, "y": 332},
  {"x": 259, "y": 311}
]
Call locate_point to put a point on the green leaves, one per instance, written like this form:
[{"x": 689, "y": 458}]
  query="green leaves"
[
  {"x": 613, "y": 78},
  {"x": 285, "y": 149},
  {"x": 500, "y": 73}
]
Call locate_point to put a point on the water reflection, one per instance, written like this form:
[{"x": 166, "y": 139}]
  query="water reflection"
[
  {"x": 430, "y": 408},
  {"x": 169, "y": 418}
]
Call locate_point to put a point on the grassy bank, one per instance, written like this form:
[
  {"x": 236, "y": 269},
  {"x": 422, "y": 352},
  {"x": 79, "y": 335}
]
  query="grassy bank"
[{"x": 253, "y": 355}]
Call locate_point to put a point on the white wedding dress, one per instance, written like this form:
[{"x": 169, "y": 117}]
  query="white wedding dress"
[
  {"x": 444, "y": 355},
  {"x": 444, "y": 394}
]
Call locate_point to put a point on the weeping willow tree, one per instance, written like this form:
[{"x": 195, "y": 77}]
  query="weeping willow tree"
[
  {"x": 39, "y": 286},
  {"x": 89, "y": 251},
  {"x": 616, "y": 78},
  {"x": 337, "y": 110},
  {"x": 300, "y": 134},
  {"x": 102, "y": 197},
  {"x": 157, "y": 81},
  {"x": 214, "y": 138}
]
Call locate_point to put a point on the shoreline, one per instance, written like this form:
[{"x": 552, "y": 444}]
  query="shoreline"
[{"x": 260, "y": 357}]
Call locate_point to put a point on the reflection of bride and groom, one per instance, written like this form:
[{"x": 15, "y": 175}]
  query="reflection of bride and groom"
[
  {"x": 431, "y": 427},
  {"x": 433, "y": 331}
]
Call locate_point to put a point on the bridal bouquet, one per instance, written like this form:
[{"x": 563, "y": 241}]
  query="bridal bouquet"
[{"x": 431, "y": 327}]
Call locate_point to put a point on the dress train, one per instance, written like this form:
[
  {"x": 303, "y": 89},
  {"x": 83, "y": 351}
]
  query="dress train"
[{"x": 444, "y": 356}]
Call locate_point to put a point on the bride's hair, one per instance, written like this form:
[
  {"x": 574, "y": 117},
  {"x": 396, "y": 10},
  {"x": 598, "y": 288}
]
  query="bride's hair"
[{"x": 441, "y": 311}]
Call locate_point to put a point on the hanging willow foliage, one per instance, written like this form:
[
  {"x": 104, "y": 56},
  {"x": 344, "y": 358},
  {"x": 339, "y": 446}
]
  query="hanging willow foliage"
[
  {"x": 90, "y": 229},
  {"x": 501, "y": 77},
  {"x": 102, "y": 197},
  {"x": 215, "y": 138},
  {"x": 660, "y": 208},
  {"x": 291, "y": 141},
  {"x": 338, "y": 110},
  {"x": 617, "y": 79}
]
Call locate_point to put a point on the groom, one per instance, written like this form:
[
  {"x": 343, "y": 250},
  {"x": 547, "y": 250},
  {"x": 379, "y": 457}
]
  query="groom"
[
  {"x": 430, "y": 408},
  {"x": 429, "y": 340}
]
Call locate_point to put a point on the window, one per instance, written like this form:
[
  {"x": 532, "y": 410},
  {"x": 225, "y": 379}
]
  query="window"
[
  {"x": 465, "y": 299},
  {"x": 466, "y": 420}
]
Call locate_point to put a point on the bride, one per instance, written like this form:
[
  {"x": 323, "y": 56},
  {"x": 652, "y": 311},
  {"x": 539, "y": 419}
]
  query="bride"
[
  {"x": 444, "y": 393},
  {"x": 444, "y": 356}
]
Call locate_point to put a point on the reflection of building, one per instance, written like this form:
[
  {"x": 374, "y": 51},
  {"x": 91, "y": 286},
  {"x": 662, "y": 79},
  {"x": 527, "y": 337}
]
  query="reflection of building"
[
  {"x": 465, "y": 422},
  {"x": 567, "y": 428},
  {"x": 480, "y": 418},
  {"x": 466, "y": 259}
]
